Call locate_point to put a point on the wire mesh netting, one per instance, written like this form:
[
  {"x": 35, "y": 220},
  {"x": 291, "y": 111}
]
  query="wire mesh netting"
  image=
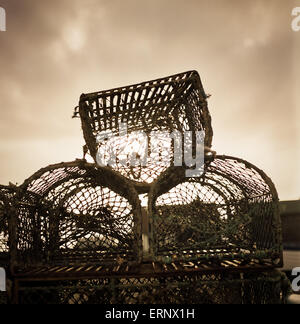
[
  {"x": 82, "y": 214},
  {"x": 86, "y": 214},
  {"x": 176, "y": 103},
  {"x": 263, "y": 288},
  {"x": 230, "y": 212},
  {"x": 5, "y": 194}
]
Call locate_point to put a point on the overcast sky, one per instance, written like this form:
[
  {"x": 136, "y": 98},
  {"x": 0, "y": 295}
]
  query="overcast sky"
[{"x": 245, "y": 51}]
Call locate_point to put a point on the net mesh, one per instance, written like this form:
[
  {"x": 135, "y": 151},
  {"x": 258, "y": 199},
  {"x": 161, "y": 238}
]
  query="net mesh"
[
  {"x": 176, "y": 103},
  {"x": 230, "y": 212},
  {"x": 4, "y": 196},
  {"x": 78, "y": 217}
]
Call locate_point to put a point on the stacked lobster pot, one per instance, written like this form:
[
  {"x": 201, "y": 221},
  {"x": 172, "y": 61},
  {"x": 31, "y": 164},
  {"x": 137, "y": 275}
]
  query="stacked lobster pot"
[{"x": 155, "y": 216}]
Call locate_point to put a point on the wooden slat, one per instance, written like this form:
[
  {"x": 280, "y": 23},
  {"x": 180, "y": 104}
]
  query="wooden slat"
[
  {"x": 146, "y": 269},
  {"x": 61, "y": 269}
]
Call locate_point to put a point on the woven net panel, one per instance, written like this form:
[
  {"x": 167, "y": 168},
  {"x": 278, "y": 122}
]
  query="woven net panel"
[
  {"x": 7, "y": 196},
  {"x": 4, "y": 200},
  {"x": 231, "y": 212},
  {"x": 259, "y": 288},
  {"x": 176, "y": 103},
  {"x": 84, "y": 215}
]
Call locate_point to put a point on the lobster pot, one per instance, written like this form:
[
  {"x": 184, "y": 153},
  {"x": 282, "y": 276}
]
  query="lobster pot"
[
  {"x": 83, "y": 215},
  {"x": 170, "y": 105},
  {"x": 229, "y": 213},
  {"x": 217, "y": 288}
]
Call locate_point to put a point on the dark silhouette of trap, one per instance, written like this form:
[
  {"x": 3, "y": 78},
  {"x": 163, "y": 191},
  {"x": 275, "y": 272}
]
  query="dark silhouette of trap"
[
  {"x": 176, "y": 103},
  {"x": 78, "y": 232}
]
